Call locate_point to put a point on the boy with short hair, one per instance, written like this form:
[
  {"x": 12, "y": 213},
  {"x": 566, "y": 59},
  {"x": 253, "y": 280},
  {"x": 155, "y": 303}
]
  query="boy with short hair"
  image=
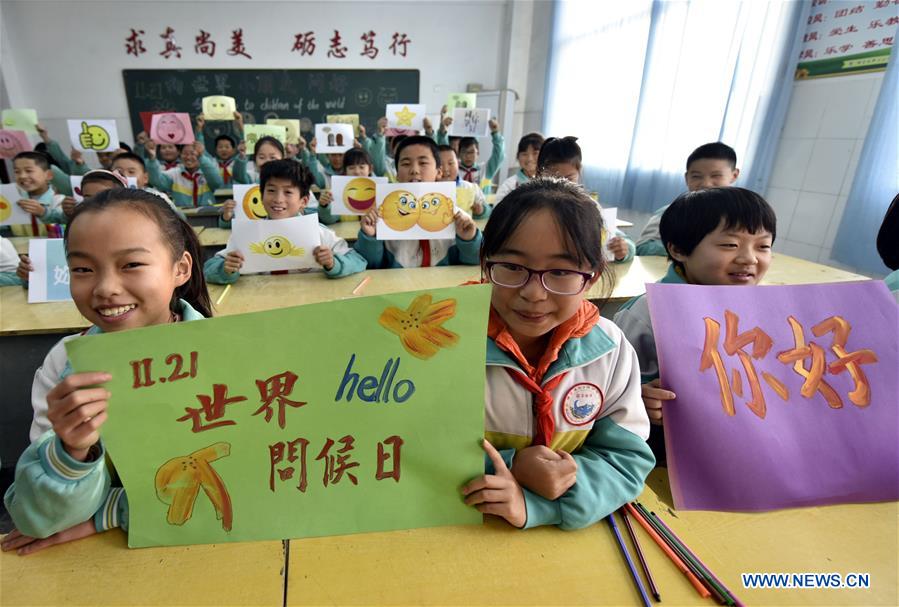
[
  {"x": 129, "y": 164},
  {"x": 418, "y": 160},
  {"x": 469, "y": 152},
  {"x": 711, "y": 165},
  {"x": 285, "y": 193},
  {"x": 449, "y": 165},
  {"x": 717, "y": 236},
  {"x": 194, "y": 185},
  {"x": 230, "y": 163},
  {"x": 33, "y": 176}
]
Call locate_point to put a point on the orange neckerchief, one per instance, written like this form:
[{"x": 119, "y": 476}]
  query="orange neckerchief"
[{"x": 579, "y": 325}]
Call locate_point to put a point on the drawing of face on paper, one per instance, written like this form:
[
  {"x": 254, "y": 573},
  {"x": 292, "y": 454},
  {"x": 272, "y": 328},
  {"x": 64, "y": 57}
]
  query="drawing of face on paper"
[
  {"x": 277, "y": 246},
  {"x": 436, "y": 211},
  {"x": 400, "y": 210},
  {"x": 352, "y": 119},
  {"x": 292, "y": 127},
  {"x": 333, "y": 138},
  {"x": 254, "y": 132},
  {"x": 405, "y": 116},
  {"x": 354, "y": 195},
  {"x": 20, "y": 119},
  {"x": 12, "y": 143},
  {"x": 413, "y": 211},
  {"x": 10, "y": 212},
  {"x": 89, "y": 135},
  {"x": 219, "y": 107},
  {"x": 171, "y": 128},
  {"x": 249, "y": 201},
  {"x": 461, "y": 100}
]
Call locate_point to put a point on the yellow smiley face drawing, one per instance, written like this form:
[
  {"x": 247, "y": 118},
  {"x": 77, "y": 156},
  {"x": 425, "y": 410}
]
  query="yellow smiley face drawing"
[
  {"x": 277, "y": 247},
  {"x": 359, "y": 194},
  {"x": 400, "y": 210},
  {"x": 436, "y": 212},
  {"x": 5, "y": 208},
  {"x": 252, "y": 204}
]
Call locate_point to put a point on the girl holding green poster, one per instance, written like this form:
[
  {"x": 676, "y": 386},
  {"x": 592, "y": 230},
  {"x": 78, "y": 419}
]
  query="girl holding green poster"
[{"x": 133, "y": 263}]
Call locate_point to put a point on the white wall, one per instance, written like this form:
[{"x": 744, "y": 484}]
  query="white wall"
[
  {"x": 816, "y": 160},
  {"x": 65, "y": 58}
]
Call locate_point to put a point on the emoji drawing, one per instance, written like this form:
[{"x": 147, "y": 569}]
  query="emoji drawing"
[
  {"x": 93, "y": 137},
  {"x": 5, "y": 208},
  {"x": 404, "y": 117},
  {"x": 436, "y": 212},
  {"x": 359, "y": 194},
  {"x": 170, "y": 129},
  {"x": 419, "y": 326},
  {"x": 12, "y": 142},
  {"x": 277, "y": 247},
  {"x": 400, "y": 210},
  {"x": 179, "y": 480},
  {"x": 219, "y": 107},
  {"x": 252, "y": 204}
]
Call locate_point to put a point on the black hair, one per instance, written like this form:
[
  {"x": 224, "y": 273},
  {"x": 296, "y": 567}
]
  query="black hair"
[
  {"x": 125, "y": 146},
  {"x": 417, "y": 140},
  {"x": 229, "y": 138},
  {"x": 531, "y": 140},
  {"x": 355, "y": 156},
  {"x": 42, "y": 148},
  {"x": 40, "y": 159},
  {"x": 271, "y": 141},
  {"x": 556, "y": 150},
  {"x": 176, "y": 232},
  {"x": 445, "y": 148},
  {"x": 888, "y": 236},
  {"x": 467, "y": 142},
  {"x": 714, "y": 151},
  {"x": 102, "y": 176},
  {"x": 291, "y": 170},
  {"x": 577, "y": 217},
  {"x": 131, "y": 156},
  {"x": 693, "y": 215}
]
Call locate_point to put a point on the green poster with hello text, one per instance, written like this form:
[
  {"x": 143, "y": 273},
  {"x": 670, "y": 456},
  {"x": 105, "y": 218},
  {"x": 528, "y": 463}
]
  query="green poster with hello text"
[{"x": 349, "y": 416}]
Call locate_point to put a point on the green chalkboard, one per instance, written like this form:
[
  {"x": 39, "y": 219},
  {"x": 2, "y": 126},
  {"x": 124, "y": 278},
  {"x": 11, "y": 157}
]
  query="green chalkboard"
[{"x": 309, "y": 95}]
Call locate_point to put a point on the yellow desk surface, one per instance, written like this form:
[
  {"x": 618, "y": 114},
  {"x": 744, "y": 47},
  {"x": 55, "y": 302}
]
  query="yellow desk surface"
[
  {"x": 21, "y": 242},
  {"x": 493, "y": 564},
  {"x": 101, "y": 570}
]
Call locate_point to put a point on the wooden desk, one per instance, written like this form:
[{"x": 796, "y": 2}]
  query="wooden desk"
[
  {"x": 214, "y": 237},
  {"x": 493, "y": 564},
  {"x": 21, "y": 242},
  {"x": 101, "y": 570}
]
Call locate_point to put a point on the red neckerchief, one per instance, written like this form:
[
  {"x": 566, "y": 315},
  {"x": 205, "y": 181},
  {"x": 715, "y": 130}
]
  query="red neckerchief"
[
  {"x": 580, "y": 324},
  {"x": 170, "y": 165},
  {"x": 425, "y": 253},
  {"x": 195, "y": 178},
  {"x": 469, "y": 173},
  {"x": 226, "y": 174}
]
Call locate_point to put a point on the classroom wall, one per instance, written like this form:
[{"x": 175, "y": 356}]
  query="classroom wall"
[
  {"x": 65, "y": 58},
  {"x": 816, "y": 160}
]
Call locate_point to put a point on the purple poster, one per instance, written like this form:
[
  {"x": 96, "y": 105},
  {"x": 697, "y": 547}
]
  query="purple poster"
[{"x": 787, "y": 396}]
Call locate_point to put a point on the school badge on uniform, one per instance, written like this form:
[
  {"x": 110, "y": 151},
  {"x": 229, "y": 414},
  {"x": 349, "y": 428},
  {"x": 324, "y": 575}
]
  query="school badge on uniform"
[{"x": 582, "y": 403}]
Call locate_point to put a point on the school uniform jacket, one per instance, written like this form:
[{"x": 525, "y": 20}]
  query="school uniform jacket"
[
  {"x": 510, "y": 184},
  {"x": 599, "y": 419},
  {"x": 53, "y": 491},
  {"x": 188, "y": 189},
  {"x": 418, "y": 253},
  {"x": 486, "y": 170},
  {"x": 650, "y": 241},
  {"x": 52, "y": 203}
]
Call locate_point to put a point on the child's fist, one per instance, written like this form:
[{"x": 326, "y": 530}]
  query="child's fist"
[
  {"x": 228, "y": 210},
  {"x": 382, "y": 125},
  {"x": 324, "y": 257},
  {"x": 42, "y": 132},
  {"x": 150, "y": 148},
  {"x": 466, "y": 228},
  {"x": 233, "y": 262},
  {"x": 362, "y": 132},
  {"x": 493, "y": 123},
  {"x": 618, "y": 248},
  {"x": 24, "y": 268},
  {"x": 325, "y": 198},
  {"x": 201, "y": 122},
  {"x": 369, "y": 222},
  {"x": 68, "y": 205}
]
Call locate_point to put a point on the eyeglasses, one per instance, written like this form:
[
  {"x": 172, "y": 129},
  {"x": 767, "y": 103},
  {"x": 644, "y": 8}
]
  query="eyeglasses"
[{"x": 560, "y": 282}]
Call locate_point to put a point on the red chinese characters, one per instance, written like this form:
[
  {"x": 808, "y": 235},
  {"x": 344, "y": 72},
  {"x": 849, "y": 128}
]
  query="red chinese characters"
[
  {"x": 171, "y": 47},
  {"x": 336, "y": 465},
  {"x": 237, "y": 45},
  {"x": 133, "y": 44},
  {"x": 212, "y": 409},
  {"x": 304, "y": 43},
  {"x": 277, "y": 388},
  {"x": 204, "y": 45},
  {"x": 370, "y": 50},
  {"x": 399, "y": 44},
  {"x": 337, "y": 49}
]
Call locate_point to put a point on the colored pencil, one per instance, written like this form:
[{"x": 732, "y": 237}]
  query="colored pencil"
[
  {"x": 646, "y": 572},
  {"x": 627, "y": 557},
  {"x": 221, "y": 298},
  {"x": 663, "y": 545},
  {"x": 706, "y": 571},
  {"x": 361, "y": 285}
]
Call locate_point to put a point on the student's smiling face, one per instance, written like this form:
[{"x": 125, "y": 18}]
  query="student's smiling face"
[
  {"x": 282, "y": 199},
  {"x": 122, "y": 274},
  {"x": 30, "y": 176},
  {"x": 727, "y": 257},
  {"x": 416, "y": 163},
  {"x": 131, "y": 168},
  {"x": 449, "y": 165},
  {"x": 710, "y": 173},
  {"x": 265, "y": 153}
]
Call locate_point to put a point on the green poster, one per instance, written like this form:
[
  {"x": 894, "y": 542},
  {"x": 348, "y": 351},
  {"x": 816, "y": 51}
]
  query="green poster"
[
  {"x": 463, "y": 100},
  {"x": 341, "y": 417}
]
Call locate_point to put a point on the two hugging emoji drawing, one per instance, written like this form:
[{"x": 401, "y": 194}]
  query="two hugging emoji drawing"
[{"x": 401, "y": 210}]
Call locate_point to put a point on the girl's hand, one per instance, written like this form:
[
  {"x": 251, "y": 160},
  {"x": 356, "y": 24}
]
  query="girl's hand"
[
  {"x": 68, "y": 205},
  {"x": 369, "y": 222},
  {"x": 150, "y": 148},
  {"x": 618, "y": 247},
  {"x": 466, "y": 228},
  {"x": 498, "y": 494},
  {"x": 228, "y": 210},
  {"x": 24, "y": 545},
  {"x": 33, "y": 207},
  {"x": 653, "y": 395},
  {"x": 24, "y": 268},
  {"x": 201, "y": 122},
  {"x": 325, "y": 198},
  {"x": 233, "y": 262},
  {"x": 324, "y": 257},
  {"x": 77, "y": 411},
  {"x": 547, "y": 473}
]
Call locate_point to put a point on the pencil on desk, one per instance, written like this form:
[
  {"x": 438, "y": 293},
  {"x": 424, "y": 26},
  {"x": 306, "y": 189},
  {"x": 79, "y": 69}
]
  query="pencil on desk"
[
  {"x": 646, "y": 572},
  {"x": 361, "y": 285},
  {"x": 627, "y": 557},
  {"x": 221, "y": 298},
  {"x": 663, "y": 545}
]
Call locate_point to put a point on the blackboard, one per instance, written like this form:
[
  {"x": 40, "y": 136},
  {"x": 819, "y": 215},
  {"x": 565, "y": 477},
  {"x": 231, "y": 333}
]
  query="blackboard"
[{"x": 309, "y": 95}]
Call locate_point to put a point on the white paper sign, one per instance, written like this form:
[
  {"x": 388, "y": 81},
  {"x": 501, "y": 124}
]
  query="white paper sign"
[
  {"x": 10, "y": 212},
  {"x": 249, "y": 202},
  {"x": 333, "y": 138},
  {"x": 277, "y": 244},
  {"x": 354, "y": 195},
  {"x": 609, "y": 223},
  {"x": 405, "y": 116},
  {"x": 50, "y": 279},
  {"x": 414, "y": 211},
  {"x": 90, "y": 135},
  {"x": 470, "y": 122}
]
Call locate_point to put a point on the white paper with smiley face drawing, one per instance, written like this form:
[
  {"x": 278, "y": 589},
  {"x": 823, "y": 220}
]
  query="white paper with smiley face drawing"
[
  {"x": 91, "y": 135},
  {"x": 10, "y": 212},
  {"x": 416, "y": 211},
  {"x": 333, "y": 138},
  {"x": 248, "y": 199},
  {"x": 219, "y": 107},
  {"x": 171, "y": 128},
  {"x": 276, "y": 244},
  {"x": 354, "y": 195},
  {"x": 405, "y": 116}
]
